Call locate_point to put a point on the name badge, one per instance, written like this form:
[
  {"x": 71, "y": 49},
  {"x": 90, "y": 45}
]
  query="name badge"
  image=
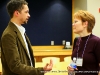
[{"x": 79, "y": 62}]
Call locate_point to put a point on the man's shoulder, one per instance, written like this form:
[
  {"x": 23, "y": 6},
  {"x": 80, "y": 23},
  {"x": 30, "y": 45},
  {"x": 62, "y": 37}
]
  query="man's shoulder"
[{"x": 8, "y": 31}]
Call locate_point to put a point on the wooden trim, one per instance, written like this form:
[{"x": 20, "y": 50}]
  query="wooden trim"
[
  {"x": 52, "y": 52},
  {"x": 47, "y": 47}
]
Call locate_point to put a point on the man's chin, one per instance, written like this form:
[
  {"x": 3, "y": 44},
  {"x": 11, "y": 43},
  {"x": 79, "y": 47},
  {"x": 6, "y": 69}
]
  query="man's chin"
[{"x": 25, "y": 22}]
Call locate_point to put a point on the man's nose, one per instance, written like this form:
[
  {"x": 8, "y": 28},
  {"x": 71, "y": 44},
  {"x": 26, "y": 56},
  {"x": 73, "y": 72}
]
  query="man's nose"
[{"x": 28, "y": 15}]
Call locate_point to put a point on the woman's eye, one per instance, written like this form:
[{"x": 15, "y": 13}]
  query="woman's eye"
[{"x": 75, "y": 21}]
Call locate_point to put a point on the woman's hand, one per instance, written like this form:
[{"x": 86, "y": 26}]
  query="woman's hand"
[{"x": 70, "y": 69}]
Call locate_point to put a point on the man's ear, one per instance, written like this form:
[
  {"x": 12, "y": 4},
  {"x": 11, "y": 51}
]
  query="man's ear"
[{"x": 16, "y": 13}]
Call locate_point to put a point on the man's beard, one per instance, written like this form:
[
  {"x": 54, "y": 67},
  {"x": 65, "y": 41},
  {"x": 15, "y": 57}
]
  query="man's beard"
[{"x": 25, "y": 22}]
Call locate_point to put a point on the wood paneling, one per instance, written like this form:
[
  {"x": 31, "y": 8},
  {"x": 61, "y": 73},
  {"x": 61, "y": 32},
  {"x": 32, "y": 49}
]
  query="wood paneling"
[
  {"x": 0, "y": 73},
  {"x": 50, "y": 51}
]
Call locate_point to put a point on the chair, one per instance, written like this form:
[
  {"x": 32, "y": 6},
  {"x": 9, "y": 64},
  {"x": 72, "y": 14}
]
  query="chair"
[
  {"x": 61, "y": 67},
  {"x": 35, "y": 59},
  {"x": 38, "y": 64},
  {"x": 47, "y": 60},
  {"x": 67, "y": 60}
]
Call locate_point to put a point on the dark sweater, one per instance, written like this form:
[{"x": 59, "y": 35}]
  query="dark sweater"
[{"x": 91, "y": 57}]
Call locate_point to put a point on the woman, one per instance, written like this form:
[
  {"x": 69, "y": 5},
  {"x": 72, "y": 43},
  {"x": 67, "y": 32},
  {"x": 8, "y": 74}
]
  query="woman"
[{"x": 87, "y": 46}]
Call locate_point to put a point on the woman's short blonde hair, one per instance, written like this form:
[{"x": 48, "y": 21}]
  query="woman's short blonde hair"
[{"x": 86, "y": 16}]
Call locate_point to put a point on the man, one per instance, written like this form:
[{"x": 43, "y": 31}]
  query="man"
[{"x": 16, "y": 52}]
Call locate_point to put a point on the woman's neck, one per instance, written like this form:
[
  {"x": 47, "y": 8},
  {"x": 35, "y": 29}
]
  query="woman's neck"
[{"x": 84, "y": 34}]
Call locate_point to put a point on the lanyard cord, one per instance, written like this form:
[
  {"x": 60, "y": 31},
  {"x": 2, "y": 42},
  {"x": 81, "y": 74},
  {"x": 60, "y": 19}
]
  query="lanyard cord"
[{"x": 84, "y": 46}]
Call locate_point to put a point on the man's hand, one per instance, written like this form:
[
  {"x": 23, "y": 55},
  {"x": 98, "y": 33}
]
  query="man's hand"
[{"x": 48, "y": 66}]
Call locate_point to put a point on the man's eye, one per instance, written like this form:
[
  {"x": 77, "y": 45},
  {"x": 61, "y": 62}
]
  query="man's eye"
[{"x": 26, "y": 11}]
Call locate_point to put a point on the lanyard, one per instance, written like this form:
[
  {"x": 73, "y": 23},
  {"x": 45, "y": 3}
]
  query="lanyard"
[{"x": 84, "y": 46}]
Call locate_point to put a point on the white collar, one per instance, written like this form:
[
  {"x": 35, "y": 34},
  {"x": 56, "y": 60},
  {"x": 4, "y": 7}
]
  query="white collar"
[{"x": 20, "y": 28}]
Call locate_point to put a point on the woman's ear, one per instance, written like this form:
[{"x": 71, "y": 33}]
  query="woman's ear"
[{"x": 85, "y": 23}]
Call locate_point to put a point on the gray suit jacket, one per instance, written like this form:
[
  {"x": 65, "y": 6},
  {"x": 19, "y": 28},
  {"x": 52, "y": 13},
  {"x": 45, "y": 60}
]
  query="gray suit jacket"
[{"x": 14, "y": 56}]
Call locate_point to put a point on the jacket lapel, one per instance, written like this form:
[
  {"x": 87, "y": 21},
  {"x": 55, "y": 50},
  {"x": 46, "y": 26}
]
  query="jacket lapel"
[
  {"x": 29, "y": 44},
  {"x": 19, "y": 36},
  {"x": 31, "y": 51}
]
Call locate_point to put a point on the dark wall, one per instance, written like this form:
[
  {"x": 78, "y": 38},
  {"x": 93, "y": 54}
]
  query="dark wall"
[
  {"x": 50, "y": 20},
  {"x": 4, "y": 18}
]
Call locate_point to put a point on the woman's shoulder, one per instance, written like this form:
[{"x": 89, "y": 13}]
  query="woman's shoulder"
[{"x": 94, "y": 38}]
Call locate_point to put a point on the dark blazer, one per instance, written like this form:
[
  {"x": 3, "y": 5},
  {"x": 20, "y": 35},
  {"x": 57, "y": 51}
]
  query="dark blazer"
[{"x": 14, "y": 56}]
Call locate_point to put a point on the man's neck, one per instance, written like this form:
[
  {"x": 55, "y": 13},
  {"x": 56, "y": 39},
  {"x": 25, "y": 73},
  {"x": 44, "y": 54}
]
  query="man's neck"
[{"x": 15, "y": 21}]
